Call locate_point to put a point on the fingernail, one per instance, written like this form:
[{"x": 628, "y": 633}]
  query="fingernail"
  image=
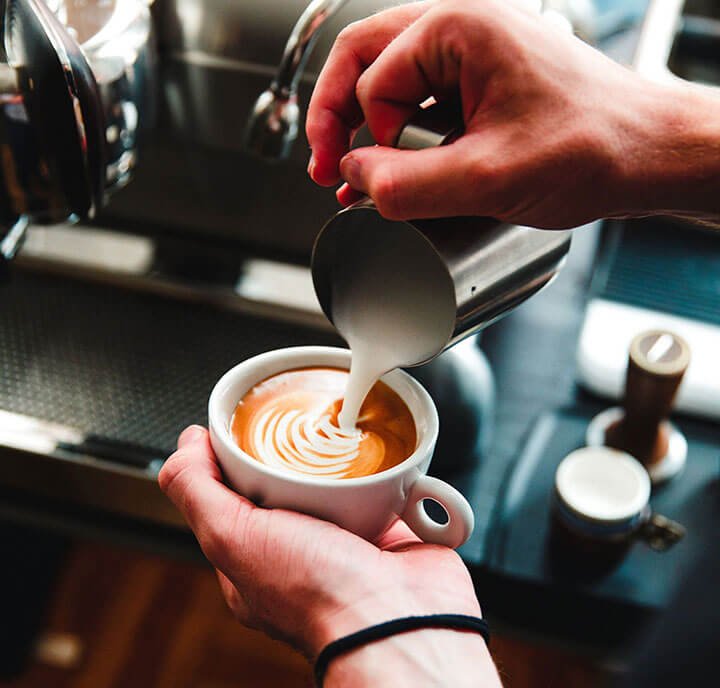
[
  {"x": 350, "y": 171},
  {"x": 346, "y": 195},
  {"x": 311, "y": 165},
  {"x": 190, "y": 435}
]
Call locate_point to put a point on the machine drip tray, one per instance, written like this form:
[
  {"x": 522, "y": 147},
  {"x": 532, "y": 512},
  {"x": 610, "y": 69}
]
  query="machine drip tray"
[
  {"x": 133, "y": 369},
  {"x": 104, "y": 379},
  {"x": 522, "y": 548}
]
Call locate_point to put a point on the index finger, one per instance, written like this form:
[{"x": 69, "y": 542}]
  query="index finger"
[{"x": 334, "y": 113}]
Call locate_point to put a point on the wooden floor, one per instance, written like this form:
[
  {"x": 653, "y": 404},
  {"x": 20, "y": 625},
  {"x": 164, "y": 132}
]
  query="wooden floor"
[{"x": 125, "y": 619}]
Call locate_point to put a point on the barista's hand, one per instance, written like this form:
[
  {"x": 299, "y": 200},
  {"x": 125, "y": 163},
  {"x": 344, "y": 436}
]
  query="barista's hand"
[
  {"x": 556, "y": 133},
  {"x": 309, "y": 582}
]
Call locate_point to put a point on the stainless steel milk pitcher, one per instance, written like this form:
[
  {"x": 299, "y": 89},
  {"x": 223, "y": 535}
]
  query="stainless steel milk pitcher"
[{"x": 436, "y": 280}]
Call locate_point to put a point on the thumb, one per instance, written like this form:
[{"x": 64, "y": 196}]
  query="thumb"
[
  {"x": 191, "y": 478},
  {"x": 406, "y": 184}
]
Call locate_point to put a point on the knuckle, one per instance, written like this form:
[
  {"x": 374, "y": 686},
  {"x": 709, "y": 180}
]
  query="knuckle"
[
  {"x": 585, "y": 145},
  {"x": 349, "y": 35},
  {"x": 172, "y": 471},
  {"x": 453, "y": 16},
  {"x": 363, "y": 87},
  {"x": 450, "y": 18},
  {"x": 225, "y": 538},
  {"x": 219, "y": 539},
  {"x": 483, "y": 172},
  {"x": 316, "y": 126},
  {"x": 176, "y": 480},
  {"x": 214, "y": 542}
]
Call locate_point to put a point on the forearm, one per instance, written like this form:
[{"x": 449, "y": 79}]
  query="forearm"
[{"x": 671, "y": 162}]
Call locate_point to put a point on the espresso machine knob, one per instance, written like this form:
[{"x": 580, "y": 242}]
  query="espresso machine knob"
[{"x": 657, "y": 363}]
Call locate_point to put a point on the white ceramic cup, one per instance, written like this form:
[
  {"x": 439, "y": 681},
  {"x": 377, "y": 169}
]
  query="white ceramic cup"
[{"x": 367, "y": 505}]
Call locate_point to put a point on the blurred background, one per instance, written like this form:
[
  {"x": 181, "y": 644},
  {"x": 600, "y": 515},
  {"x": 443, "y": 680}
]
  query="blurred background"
[{"x": 134, "y": 278}]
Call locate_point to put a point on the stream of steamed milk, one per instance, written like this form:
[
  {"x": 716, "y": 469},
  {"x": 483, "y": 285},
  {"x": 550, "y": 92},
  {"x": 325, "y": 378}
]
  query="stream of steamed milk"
[
  {"x": 366, "y": 369},
  {"x": 380, "y": 341}
]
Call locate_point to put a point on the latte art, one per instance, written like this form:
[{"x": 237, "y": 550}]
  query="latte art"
[
  {"x": 305, "y": 442},
  {"x": 290, "y": 421}
]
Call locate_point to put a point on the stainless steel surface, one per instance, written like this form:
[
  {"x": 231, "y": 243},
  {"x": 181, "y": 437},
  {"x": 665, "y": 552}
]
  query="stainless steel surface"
[
  {"x": 237, "y": 281},
  {"x": 69, "y": 115},
  {"x": 679, "y": 39},
  {"x": 11, "y": 243},
  {"x": 214, "y": 58},
  {"x": 301, "y": 41},
  {"x": 51, "y": 159},
  {"x": 118, "y": 40},
  {"x": 489, "y": 266},
  {"x": 432, "y": 126},
  {"x": 219, "y": 55},
  {"x": 36, "y": 460},
  {"x": 26, "y": 439},
  {"x": 273, "y": 124},
  {"x": 497, "y": 269},
  {"x": 84, "y": 482}
]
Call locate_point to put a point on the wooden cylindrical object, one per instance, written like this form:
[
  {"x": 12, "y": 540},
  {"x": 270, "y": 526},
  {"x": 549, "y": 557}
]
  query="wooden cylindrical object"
[{"x": 656, "y": 366}]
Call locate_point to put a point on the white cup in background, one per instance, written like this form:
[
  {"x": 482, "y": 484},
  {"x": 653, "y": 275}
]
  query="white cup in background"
[{"x": 367, "y": 505}]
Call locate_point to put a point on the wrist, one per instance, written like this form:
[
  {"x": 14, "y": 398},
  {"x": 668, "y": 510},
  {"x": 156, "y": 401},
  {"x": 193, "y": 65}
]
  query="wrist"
[
  {"x": 382, "y": 605},
  {"x": 422, "y": 657},
  {"x": 670, "y": 153}
]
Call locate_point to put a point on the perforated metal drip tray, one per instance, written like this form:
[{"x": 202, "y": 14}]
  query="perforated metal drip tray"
[{"x": 96, "y": 383}]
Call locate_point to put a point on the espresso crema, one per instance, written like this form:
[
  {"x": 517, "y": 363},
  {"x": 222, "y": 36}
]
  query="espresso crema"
[{"x": 290, "y": 421}]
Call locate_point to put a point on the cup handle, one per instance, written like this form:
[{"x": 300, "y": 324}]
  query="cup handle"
[
  {"x": 460, "y": 515},
  {"x": 661, "y": 533}
]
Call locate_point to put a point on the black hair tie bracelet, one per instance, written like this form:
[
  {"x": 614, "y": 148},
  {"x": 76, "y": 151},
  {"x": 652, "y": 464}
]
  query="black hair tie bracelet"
[{"x": 389, "y": 628}]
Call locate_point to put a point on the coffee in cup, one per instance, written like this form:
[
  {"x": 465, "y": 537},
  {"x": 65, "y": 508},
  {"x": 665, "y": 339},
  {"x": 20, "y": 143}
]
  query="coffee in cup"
[
  {"x": 290, "y": 421},
  {"x": 366, "y": 505}
]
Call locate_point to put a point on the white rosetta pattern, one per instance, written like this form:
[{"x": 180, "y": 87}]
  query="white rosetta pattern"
[{"x": 305, "y": 441}]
